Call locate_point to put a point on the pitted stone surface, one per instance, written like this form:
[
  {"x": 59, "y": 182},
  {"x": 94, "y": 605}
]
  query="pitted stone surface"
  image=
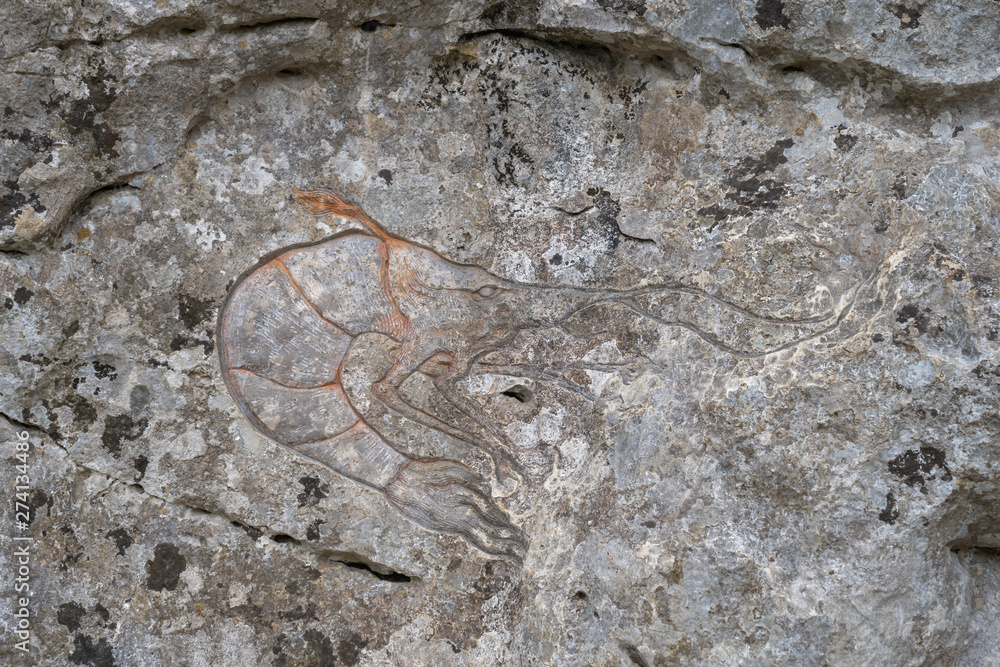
[{"x": 757, "y": 496}]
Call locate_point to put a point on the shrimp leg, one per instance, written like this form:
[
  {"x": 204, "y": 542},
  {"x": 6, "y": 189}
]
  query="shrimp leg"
[
  {"x": 408, "y": 359},
  {"x": 445, "y": 384}
]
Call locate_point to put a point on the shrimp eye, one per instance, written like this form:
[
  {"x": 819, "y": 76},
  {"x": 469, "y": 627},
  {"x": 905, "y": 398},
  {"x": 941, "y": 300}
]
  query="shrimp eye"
[{"x": 488, "y": 291}]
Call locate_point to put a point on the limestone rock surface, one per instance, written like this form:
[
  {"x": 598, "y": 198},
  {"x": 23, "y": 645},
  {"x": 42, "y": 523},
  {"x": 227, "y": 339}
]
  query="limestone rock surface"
[{"x": 800, "y": 466}]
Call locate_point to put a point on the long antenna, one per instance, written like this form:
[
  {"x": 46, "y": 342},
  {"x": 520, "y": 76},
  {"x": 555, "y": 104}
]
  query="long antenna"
[{"x": 328, "y": 202}]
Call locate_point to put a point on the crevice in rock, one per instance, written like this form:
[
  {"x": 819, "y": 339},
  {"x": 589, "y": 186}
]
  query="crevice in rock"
[
  {"x": 573, "y": 212},
  {"x": 358, "y": 562},
  {"x": 637, "y": 239},
  {"x": 520, "y": 393},
  {"x": 739, "y": 47},
  {"x": 22, "y": 426},
  {"x": 271, "y": 22},
  {"x": 347, "y": 558},
  {"x": 634, "y": 656},
  {"x": 197, "y": 122},
  {"x": 908, "y": 89},
  {"x": 395, "y": 577},
  {"x": 169, "y": 26},
  {"x": 577, "y": 40},
  {"x": 119, "y": 183},
  {"x": 988, "y": 552}
]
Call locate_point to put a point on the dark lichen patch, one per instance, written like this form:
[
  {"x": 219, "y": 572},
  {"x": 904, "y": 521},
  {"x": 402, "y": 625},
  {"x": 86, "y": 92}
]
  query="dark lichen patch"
[
  {"x": 918, "y": 466},
  {"x": 163, "y": 572},
  {"x": 349, "y": 649},
  {"x": 608, "y": 229},
  {"x": 913, "y": 320},
  {"x": 119, "y": 429},
  {"x": 140, "y": 463},
  {"x": 630, "y": 97},
  {"x": 15, "y": 202},
  {"x": 984, "y": 370},
  {"x": 39, "y": 360},
  {"x": 22, "y": 295},
  {"x": 312, "y": 531},
  {"x": 87, "y": 652},
  {"x": 751, "y": 190},
  {"x": 634, "y": 6},
  {"x": 909, "y": 17},
  {"x": 298, "y": 613},
  {"x": 192, "y": 311},
  {"x": 845, "y": 142},
  {"x": 180, "y": 342},
  {"x": 72, "y": 549},
  {"x": 83, "y": 115},
  {"x": 69, "y": 614},
  {"x": 720, "y": 214},
  {"x": 313, "y": 491},
  {"x": 320, "y": 649},
  {"x": 34, "y": 142},
  {"x": 122, "y": 539},
  {"x": 37, "y": 499},
  {"x": 889, "y": 513},
  {"x": 771, "y": 14},
  {"x": 105, "y": 371},
  {"x": 385, "y": 175},
  {"x": 512, "y": 164}
]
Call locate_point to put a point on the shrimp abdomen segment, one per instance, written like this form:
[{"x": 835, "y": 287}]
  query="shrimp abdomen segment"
[
  {"x": 343, "y": 279},
  {"x": 358, "y": 453},
  {"x": 294, "y": 416},
  {"x": 270, "y": 329}
]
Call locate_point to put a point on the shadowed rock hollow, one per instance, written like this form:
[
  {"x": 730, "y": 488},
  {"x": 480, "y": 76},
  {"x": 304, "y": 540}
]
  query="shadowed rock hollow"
[{"x": 790, "y": 459}]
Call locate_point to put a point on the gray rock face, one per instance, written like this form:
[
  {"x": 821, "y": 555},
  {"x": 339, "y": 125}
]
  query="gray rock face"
[{"x": 790, "y": 457}]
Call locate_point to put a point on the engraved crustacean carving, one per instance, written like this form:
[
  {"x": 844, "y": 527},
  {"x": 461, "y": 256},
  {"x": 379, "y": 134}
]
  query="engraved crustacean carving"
[{"x": 289, "y": 323}]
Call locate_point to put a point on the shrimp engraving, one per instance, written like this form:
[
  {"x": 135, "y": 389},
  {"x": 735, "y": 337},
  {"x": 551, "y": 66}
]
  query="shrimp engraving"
[{"x": 288, "y": 324}]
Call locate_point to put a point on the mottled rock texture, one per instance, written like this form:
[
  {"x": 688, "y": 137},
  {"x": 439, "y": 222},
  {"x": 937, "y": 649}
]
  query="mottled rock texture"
[{"x": 832, "y": 502}]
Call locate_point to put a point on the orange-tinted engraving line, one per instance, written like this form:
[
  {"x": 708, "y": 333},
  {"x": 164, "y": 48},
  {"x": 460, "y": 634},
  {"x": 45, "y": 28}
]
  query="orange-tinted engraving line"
[
  {"x": 319, "y": 202},
  {"x": 337, "y": 377},
  {"x": 372, "y": 226},
  {"x": 400, "y": 324},
  {"x": 299, "y": 291}
]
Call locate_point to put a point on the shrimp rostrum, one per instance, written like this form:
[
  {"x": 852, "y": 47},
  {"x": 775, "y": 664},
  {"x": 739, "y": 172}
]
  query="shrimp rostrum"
[{"x": 289, "y": 323}]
